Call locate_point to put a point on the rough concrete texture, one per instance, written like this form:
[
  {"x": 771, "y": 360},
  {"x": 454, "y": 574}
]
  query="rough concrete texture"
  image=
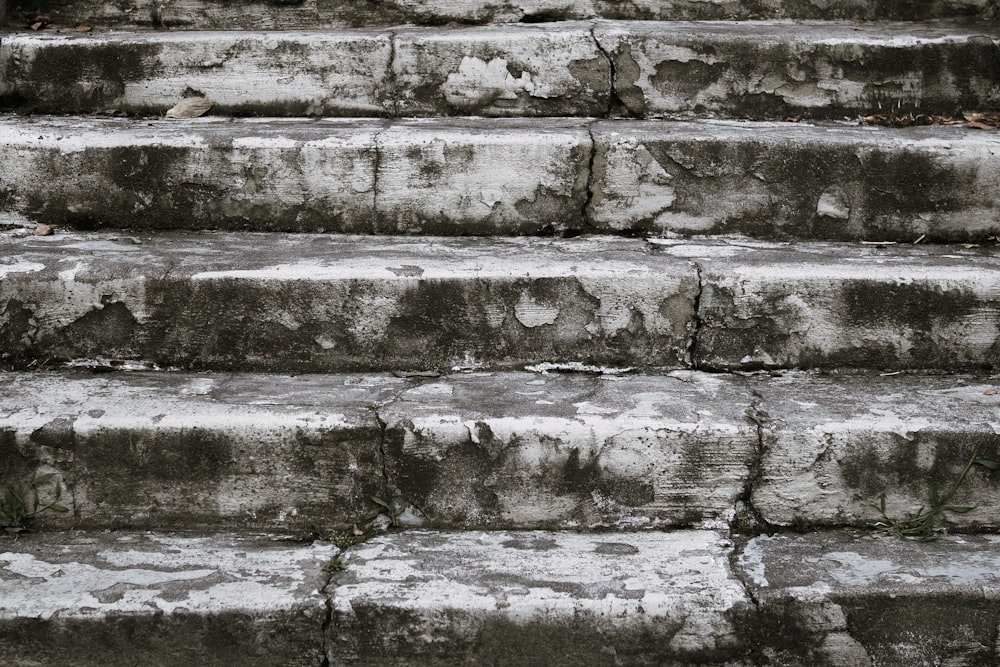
[
  {"x": 829, "y": 599},
  {"x": 833, "y": 445},
  {"x": 205, "y": 173},
  {"x": 769, "y": 305},
  {"x": 328, "y": 303},
  {"x": 448, "y": 176},
  {"x": 263, "y": 15},
  {"x": 482, "y": 176},
  {"x": 506, "y": 176},
  {"x": 773, "y": 180},
  {"x": 530, "y": 451},
  {"x": 537, "y": 599},
  {"x": 153, "y": 599},
  {"x": 773, "y": 69},
  {"x": 330, "y": 73},
  {"x": 529, "y": 70},
  {"x": 158, "y": 450}
]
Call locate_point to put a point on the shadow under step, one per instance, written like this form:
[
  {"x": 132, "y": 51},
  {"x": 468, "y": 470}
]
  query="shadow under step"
[
  {"x": 757, "y": 69},
  {"x": 502, "y": 450},
  {"x": 467, "y": 176},
  {"x": 534, "y": 598}
]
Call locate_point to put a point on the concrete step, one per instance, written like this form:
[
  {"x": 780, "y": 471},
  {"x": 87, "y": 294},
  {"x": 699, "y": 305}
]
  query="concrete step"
[
  {"x": 757, "y": 69},
  {"x": 535, "y": 598},
  {"x": 276, "y": 302},
  {"x": 262, "y": 15},
  {"x": 502, "y": 450},
  {"x": 506, "y": 176}
]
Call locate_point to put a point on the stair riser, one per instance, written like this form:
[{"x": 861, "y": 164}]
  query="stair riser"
[
  {"x": 507, "y": 177},
  {"x": 199, "y": 15},
  {"x": 768, "y": 70}
]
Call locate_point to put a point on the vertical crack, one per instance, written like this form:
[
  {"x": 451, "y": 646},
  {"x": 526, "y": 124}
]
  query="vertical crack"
[
  {"x": 376, "y": 201},
  {"x": 391, "y": 92},
  {"x": 585, "y": 221},
  {"x": 612, "y": 74},
  {"x": 696, "y": 321},
  {"x": 325, "y": 629},
  {"x": 383, "y": 428},
  {"x": 747, "y": 519}
]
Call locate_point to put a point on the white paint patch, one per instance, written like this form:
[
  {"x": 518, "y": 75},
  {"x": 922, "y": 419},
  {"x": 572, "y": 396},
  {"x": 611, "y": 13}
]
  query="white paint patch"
[
  {"x": 533, "y": 313},
  {"x": 20, "y": 267},
  {"x": 478, "y": 82}
]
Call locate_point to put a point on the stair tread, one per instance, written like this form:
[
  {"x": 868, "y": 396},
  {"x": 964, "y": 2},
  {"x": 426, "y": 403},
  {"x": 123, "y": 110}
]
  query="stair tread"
[
  {"x": 500, "y": 449},
  {"x": 564, "y": 598},
  {"x": 833, "y": 181},
  {"x": 736, "y": 69}
]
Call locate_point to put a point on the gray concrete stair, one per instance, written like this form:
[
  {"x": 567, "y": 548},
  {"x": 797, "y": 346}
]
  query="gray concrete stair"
[
  {"x": 499, "y": 309},
  {"x": 311, "y": 303},
  {"x": 520, "y": 598},
  {"x": 745, "y": 69},
  {"x": 465, "y": 176},
  {"x": 493, "y": 450}
]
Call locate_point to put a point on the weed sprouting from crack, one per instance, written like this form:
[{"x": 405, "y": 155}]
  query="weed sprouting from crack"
[
  {"x": 22, "y": 503},
  {"x": 390, "y": 509},
  {"x": 929, "y": 522}
]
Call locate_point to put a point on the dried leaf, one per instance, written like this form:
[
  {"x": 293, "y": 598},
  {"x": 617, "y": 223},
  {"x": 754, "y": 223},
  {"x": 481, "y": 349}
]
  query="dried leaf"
[
  {"x": 190, "y": 107},
  {"x": 42, "y": 230},
  {"x": 357, "y": 531},
  {"x": 991, "y": 118},
  {"x": 992, "y": 392},
  {"x": 976, "y": 125},
  {"x": 83, "y": 28},
  {"x": 37, "y": 25}
]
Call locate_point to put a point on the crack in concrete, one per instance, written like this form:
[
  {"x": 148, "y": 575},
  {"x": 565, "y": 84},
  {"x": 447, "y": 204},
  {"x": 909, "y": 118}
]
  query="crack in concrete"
[
  {"x": 375, "y": 177},
  {"x": 390, "y": 80},
  {"x": 612, "y": 73},
  {"x": 747, "y": 518},
  {"x": 327, "y": 592},
  {"x": 585, "y": 208},
  {"x": 696, "y": 321}
]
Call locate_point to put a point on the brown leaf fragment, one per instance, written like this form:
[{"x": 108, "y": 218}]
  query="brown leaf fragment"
[
  {"x": 991, "y": 118},
  {"x": 190, "y": 107},
  {"x": 42, "y": 230},
  {"x": 920, "y": 239},
  {"x": 37, "y": 25},
  {"x": 357, "y": 531},
  {"x": 976, "y": 125},
  {"x": 992, "y": 392},
  {"x": 969, "y": 246},
  {"x": 83, "y": 28}
]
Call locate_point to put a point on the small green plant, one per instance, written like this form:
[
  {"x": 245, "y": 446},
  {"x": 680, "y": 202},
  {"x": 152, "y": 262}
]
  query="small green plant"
[
  {"x": 928, "y": 522},
  {"x": 391, "y": 510},
  {"x": 335, "y": 564},
  {"x": 22, "y": 502}
]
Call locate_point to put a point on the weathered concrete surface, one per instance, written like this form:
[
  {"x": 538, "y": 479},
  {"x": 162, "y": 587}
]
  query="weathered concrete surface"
[
  {"x": 825, "y": 305},
  {"x": 263, "y": 15},
  {"x": 829, "y": 599},
  {"x": 447, "y": 176},
  {"x": 833, "y": 444},
  {"x": 531, "y": 451},
  {"x": 476, "y": 176},
  {"x": 772, "y": 69},
  {"x": 833, "y": 182},
  {"x": 528, "y": 70},
  {"x": 329, "y": 303},
  {"x": 129, "y": 598},
  {"x": 329, "y": 73},
  {"x": 161, "y": 450},
  {"x": 537, "y": 598},
  {"x": 206, "y": 173}
]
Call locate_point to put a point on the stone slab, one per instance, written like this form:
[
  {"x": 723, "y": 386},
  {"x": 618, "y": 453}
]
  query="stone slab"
[
  {"x": 207, "y": 173},
  {"x": 446, "y": 176},
  {"x": 774, "y": 69},
  {"x": 527, "y": 70},
  {"x": 287, "y": 73},
  {"x": 478, "y": 176},
  {"x": 175, "y": 451},
  {"x": 830, "y": 599},
  {"x": 570, "y": 451},
  {"x": 341, "y": 303},
  {"x": 537, "y": 598},
  {"x": 815, "y": 305},
  {"x": 832, "y": 445},
  {"x": 307, "y": 14},
  {"x": 797, "y": 180},
  {"x": 140, "y": 598}
]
